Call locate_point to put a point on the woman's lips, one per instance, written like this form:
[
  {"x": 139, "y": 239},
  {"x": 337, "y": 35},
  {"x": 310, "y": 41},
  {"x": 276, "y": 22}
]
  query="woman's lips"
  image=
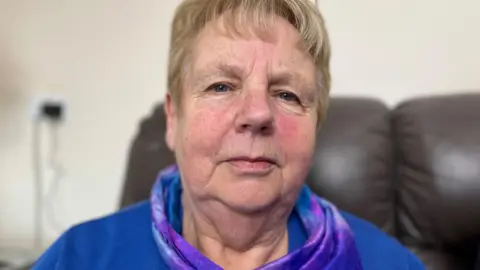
[{"x": 252, "y": 166}]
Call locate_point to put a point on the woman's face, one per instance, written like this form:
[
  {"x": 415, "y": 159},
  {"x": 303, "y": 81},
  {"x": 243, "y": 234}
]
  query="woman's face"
[{"x": 244, "y": 132}]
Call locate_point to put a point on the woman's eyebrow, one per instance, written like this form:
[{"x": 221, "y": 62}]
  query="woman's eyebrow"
[
  {"x": 288, "y": 77},
  {"x": 217, "y": 69},
  {"x": 227, "y": 70},
  {"x": 282, "y": 77},
  {"x": 220, "y": 69}
]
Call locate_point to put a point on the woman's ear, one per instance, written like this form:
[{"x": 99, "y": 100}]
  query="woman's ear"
[{"x": 171, "y": 117}]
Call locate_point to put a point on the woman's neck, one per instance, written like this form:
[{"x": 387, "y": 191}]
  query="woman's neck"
[{"x": 232, "y": 240}]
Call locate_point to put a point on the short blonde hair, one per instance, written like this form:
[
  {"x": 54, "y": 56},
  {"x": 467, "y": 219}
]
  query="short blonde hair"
[{"x": 192, "y": 16}]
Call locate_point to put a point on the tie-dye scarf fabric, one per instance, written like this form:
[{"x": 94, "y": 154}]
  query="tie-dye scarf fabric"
[{"x": 330, "y": 244}]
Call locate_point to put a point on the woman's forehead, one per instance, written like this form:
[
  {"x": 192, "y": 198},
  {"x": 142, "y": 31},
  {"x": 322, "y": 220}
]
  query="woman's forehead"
[
  {"x": 275, "y": 30},
  {"x": 216, "y": 49}
]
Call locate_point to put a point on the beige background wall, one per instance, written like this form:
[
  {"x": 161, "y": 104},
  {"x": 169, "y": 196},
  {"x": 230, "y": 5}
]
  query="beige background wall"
[{"x": 107, "y": 60}]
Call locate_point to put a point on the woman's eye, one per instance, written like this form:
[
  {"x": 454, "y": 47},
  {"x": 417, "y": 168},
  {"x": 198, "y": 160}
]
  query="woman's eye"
[
  {"x": 288, "y": 96},
  {"x": 220, "y": 88}
]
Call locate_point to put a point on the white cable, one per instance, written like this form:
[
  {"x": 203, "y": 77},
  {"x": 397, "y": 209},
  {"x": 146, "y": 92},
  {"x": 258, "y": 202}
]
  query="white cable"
[
  {"x": 56, "y": 173},
  {"x": 38, "y": 185},
  {"x": 44, "y": 208}
]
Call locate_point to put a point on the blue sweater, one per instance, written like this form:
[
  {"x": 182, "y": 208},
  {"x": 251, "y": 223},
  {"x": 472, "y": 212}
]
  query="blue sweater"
[{"x": 124, "y": 240}]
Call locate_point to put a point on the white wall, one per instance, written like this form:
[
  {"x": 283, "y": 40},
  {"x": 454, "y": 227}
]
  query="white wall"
[
  {"x": 397, "y": 49},
  {"x": 107, "y": 59}
]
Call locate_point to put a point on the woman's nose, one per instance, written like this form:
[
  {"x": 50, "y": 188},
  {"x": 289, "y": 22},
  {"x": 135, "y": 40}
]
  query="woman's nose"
[{"x": 256, "y": 114}]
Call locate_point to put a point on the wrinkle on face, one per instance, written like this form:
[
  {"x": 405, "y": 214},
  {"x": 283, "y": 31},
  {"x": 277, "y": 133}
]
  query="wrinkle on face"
[{"x": 257, "y": 69}]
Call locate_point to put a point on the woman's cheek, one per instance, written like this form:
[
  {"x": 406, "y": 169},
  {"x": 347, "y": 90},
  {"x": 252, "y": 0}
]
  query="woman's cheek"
[
  {"x": 292, "y": 127},
  {"x": 296, "y": 135},
  {"x": 205, "y": 129}
]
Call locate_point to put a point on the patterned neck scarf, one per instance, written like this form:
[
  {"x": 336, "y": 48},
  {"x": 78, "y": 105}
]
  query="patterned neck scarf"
[{"x": 330, "y": 243}]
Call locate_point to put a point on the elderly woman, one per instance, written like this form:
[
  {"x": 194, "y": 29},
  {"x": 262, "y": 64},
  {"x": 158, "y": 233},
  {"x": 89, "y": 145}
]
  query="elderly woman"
[{"x": 248, "y": 87}]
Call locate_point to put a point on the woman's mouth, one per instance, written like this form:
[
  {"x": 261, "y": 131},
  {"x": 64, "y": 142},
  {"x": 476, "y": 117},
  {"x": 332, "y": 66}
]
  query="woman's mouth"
[{"x": 252, "y": 166}]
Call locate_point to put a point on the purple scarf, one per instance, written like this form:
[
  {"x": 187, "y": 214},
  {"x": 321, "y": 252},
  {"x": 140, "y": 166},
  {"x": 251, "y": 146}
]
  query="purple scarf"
[{"x": 330, "y": 244}]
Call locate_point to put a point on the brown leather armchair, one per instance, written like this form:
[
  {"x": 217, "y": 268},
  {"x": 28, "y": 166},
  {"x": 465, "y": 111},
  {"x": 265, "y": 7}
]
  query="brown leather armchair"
[{"x": 414, "y": 171}]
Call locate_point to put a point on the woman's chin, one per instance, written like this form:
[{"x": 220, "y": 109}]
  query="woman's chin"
[
  {"x": 249, "y": 208},
  {"x": 251, "y": 198}
]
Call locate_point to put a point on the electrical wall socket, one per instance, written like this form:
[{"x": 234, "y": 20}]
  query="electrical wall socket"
[{"x": 39, "y": 102}]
